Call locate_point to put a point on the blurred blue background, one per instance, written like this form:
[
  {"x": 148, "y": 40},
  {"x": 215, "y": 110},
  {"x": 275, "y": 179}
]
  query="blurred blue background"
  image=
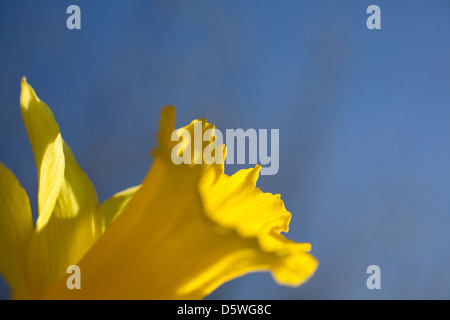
[{"x": 363, "y": 116}]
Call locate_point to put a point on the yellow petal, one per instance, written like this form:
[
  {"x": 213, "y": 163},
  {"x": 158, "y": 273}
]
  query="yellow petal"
[
  {"x": 72, "y": 229},
  {"x": 69, "y": 220},
  {"x": 47, "y": 145},
  {"x": 165, "y": 246},
  {"x": 16, "y": 227},
  {"x": 236, "y": 203},
  {"x": 114, "y": 206}
]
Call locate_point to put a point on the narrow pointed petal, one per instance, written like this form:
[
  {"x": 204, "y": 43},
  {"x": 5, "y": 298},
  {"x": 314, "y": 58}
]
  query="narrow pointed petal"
[
  {"x": 114, "y": 206},
  {"x": 16, "y": 227},
  {"x": 69, "y": 219},
  {"x": 72, "y": 229},
  {"x": 47, "y": 145}
]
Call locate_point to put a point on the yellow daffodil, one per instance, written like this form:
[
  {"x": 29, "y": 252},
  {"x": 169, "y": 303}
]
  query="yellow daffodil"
[{"x": 186, "y": 230}]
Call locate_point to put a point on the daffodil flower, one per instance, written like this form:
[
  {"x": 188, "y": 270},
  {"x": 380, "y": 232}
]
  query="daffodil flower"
[{"x": 179, "y": 235}]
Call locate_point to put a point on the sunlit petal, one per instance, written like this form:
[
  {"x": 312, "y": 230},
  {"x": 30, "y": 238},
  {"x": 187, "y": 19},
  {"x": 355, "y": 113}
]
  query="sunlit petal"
[
  {"x": 47, "y": 145},
  {"x": 16, "y": 227},
  {"x": 69, "y": 220},
  {"x": 235, "y": 202},
  {"x": 75, "y": 225}
]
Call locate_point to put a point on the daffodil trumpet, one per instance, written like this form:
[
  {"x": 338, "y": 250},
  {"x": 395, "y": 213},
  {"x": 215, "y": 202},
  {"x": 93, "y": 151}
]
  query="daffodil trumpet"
[{"x": 183, "y": 232}]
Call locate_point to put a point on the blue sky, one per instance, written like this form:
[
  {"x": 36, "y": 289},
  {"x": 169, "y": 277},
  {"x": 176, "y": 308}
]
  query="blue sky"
[{"x": 363, "y": 117}]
